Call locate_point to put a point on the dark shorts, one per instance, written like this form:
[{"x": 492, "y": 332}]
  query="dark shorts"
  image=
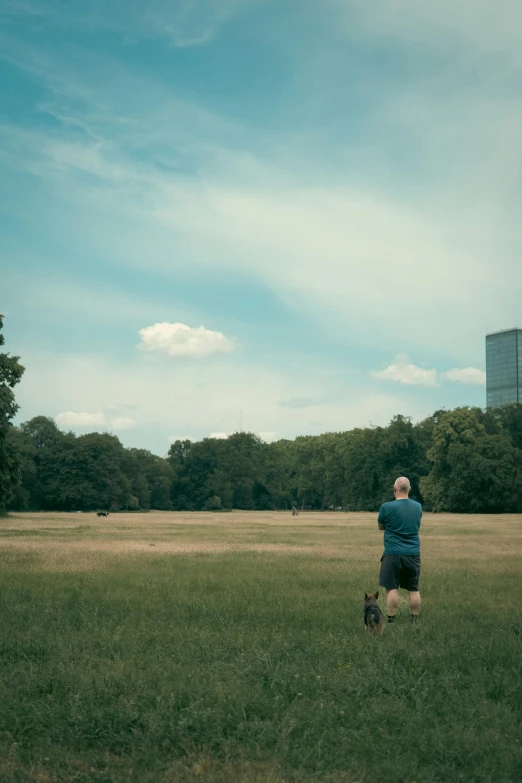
[{"x": 400, "y": 571}]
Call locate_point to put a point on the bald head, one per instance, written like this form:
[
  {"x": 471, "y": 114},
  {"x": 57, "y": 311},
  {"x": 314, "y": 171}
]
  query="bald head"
[{"x": 402, "y": 487}]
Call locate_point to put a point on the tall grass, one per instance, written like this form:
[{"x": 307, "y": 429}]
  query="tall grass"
[{"x": 255, "y": 667}]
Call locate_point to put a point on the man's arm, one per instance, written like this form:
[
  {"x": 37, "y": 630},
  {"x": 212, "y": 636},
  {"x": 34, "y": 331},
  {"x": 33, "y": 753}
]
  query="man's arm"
[{"x": 380, "y": 519}]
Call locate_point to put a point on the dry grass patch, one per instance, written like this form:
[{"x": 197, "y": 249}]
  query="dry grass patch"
[{"x": 79, "y": 541}]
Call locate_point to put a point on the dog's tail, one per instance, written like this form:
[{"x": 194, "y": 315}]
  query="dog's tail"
[{"x": 374, "y": 618}]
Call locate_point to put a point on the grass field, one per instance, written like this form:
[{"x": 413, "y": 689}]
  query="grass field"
[{"x": 231, "y": 647}]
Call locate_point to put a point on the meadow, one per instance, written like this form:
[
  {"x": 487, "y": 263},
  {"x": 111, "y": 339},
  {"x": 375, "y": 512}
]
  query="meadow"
[{"x": 184, "y": 648}]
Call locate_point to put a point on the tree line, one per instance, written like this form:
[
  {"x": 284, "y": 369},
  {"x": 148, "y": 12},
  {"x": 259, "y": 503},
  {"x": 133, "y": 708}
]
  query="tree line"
[{"x": 462, "y": 460}]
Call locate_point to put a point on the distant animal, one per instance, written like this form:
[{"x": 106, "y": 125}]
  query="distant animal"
[
  {"x": 102, "y": 514},
  {"x": 373, "y": 617},
  {"x": 295, "y": 512}
]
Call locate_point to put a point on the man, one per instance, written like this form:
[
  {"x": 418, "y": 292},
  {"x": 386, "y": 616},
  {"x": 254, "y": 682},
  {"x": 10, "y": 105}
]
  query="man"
[{"x": 400, "y": 564}]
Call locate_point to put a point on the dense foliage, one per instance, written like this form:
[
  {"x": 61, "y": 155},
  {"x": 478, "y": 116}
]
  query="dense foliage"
[
  {"x": 464, "y": 460},
  {"x": 11, "y": 372}
]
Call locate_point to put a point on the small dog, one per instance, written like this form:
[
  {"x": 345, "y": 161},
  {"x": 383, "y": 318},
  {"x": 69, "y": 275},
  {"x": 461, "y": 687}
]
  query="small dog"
[{"x": 373, "y": 617}]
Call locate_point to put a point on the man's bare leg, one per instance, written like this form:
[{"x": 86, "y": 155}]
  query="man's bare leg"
[
  {"x": 392, "y": 604},
  {"x": 415, "y": 603}
]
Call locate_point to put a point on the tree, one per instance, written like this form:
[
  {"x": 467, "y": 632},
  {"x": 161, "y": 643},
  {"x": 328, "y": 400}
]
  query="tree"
[
  {"x": 279, "y": 473},
  {"x": 178, "y": 453},
  {"x": 83, "y": 473},
  {"x": 41, "y": 440},
  {"x": 238, "y": 471},
  {"x": 22, "y": 497},
  {"x": 402, "y": 453},
  {"x": 181, "y": 490},
  {"x": 11, "y": 372},
  {"x": 63, "y": 472},
  {"x": 369, "y": 460},
  {"x": 510, "y": 417},
  {"x": 92, "y": 475},
  {"x": 311, "y": 458},
  {"x": 362, "y": 486},
  {"x": 135, "y": 470},
  {"x": 42, "y": 431},
  {"x": 191, "y": 487},
  {"x": 153, "y": 482},
  {"x": 486, "y": 476},
  {"x": 460, "y": 427}
]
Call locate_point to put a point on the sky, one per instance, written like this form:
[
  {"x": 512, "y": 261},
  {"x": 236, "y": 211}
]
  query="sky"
[{"x": 286, "y": 216}]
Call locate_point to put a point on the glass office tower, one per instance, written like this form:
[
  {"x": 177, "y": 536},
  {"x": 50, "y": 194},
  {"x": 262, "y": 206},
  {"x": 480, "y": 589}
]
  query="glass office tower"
[{"x": 504, "y": 367}]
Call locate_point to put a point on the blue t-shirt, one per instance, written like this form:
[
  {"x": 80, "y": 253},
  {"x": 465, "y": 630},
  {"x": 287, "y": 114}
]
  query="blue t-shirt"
[{"x": 401, "y": 520}]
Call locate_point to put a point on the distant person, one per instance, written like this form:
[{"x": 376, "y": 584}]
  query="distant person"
[{"x": 400, "y": 564}]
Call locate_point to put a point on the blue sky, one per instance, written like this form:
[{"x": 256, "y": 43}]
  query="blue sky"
[{"x": 324, "y": 194}]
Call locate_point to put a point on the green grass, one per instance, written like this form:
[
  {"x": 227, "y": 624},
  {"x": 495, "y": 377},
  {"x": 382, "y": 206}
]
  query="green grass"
[{"x": 255, "y": 668}]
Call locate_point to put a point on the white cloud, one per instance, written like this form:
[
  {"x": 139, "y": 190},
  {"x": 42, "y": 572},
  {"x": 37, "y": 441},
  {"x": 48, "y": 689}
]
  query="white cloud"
[
  {"x": 468, "y": 375},
  {"x": 81, "y": 420},
  {"x": 174, "y": 438},
  {"x": 93, "y": 421},
  {"x": 219, "y": 435},
  {"x": 403, "y": 371},
  {"x": 183, "y": 341}
]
